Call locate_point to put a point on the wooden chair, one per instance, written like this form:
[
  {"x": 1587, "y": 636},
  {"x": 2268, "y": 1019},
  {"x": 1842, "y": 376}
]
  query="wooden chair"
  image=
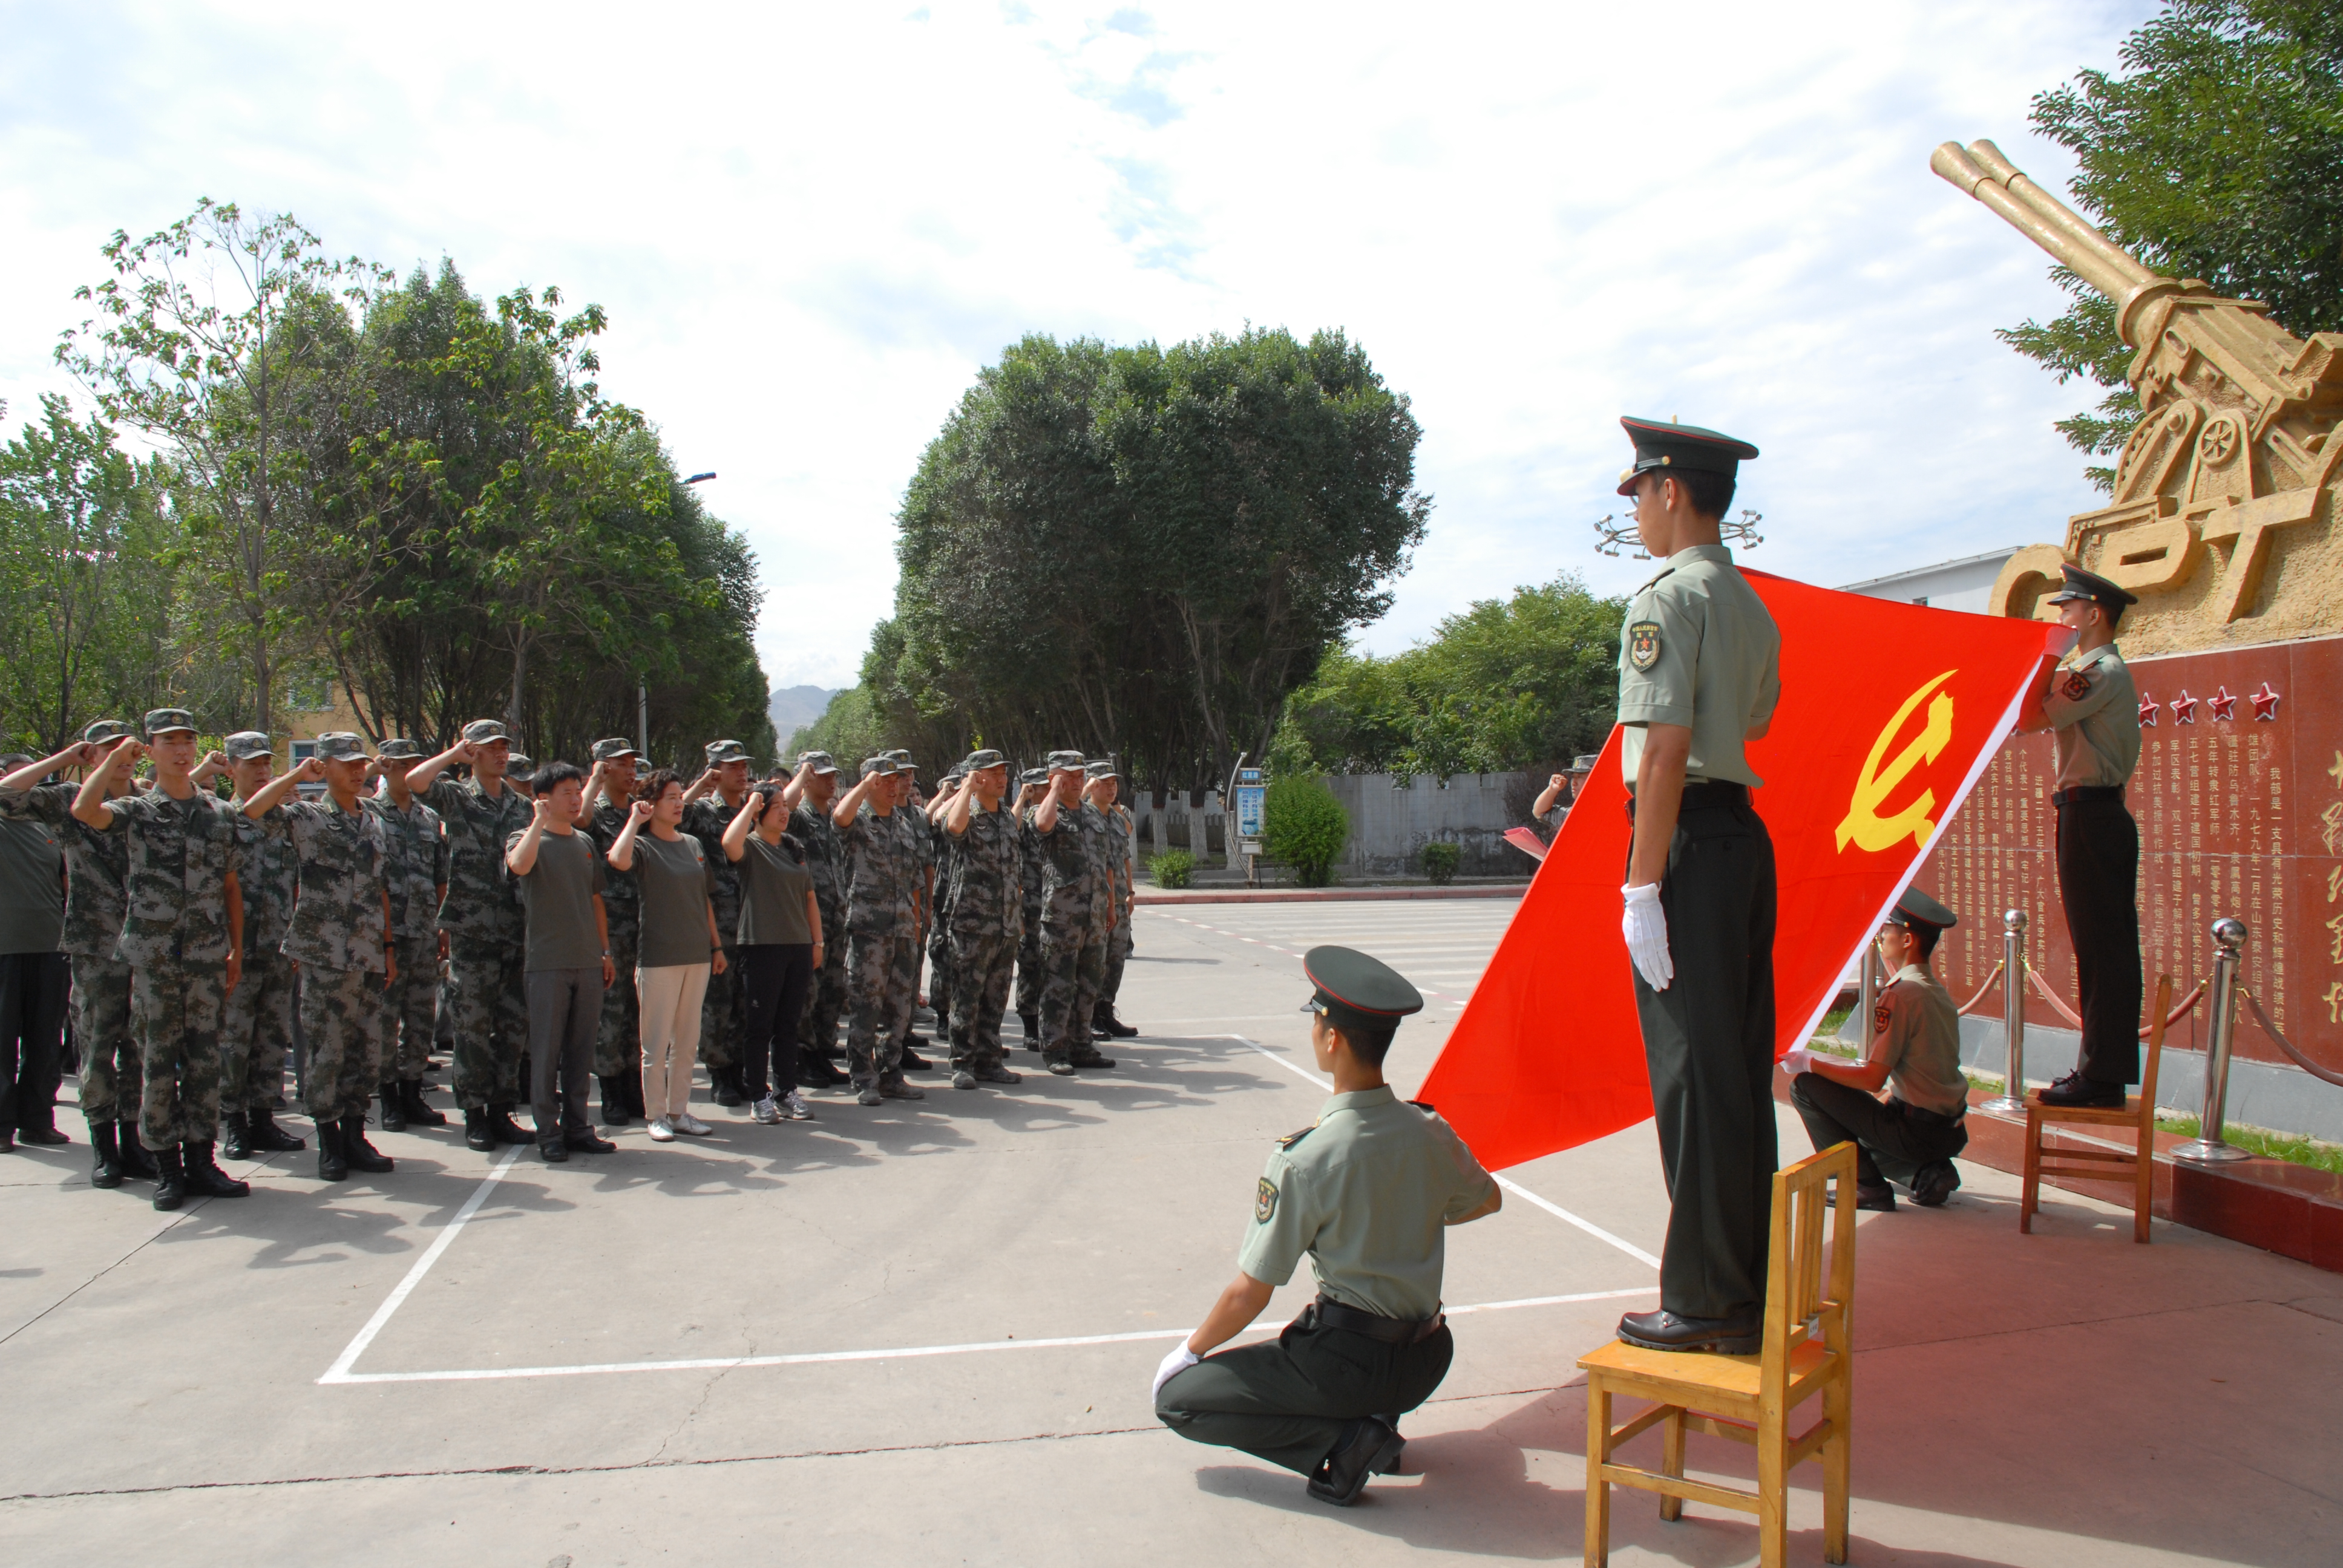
[
  {"x": 2137, "y": 1168},
  {"x": 1807, "y": 1351}
]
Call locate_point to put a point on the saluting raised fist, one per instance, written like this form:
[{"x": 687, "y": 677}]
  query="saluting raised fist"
[
  {"x": 640, "y": 812},
  {"x": 310, "y": 770}
]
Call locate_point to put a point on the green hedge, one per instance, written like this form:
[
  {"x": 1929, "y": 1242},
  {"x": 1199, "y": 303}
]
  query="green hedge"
[{"x": 1305, "y": 827}]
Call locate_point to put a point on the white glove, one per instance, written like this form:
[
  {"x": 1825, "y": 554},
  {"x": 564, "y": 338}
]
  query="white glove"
[
  {"x": 1646, "y": 926},
  {"x": 1797, "y": 1060},
  {"x": 1180, "y": 1358}
]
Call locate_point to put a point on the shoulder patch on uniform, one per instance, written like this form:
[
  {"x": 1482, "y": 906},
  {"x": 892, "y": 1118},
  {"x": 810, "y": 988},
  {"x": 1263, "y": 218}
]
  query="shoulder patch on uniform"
[
  {"x": 1644, "y": 645},
  {"x": 1264, "y": 1200},
  {"x": 1291, "y": 1139},
  {"x": 1880, "y": 1017},
  {"x": 2076, "y": 686}
]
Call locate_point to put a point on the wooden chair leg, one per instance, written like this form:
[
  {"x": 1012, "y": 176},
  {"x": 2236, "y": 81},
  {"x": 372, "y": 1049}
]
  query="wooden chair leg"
[
  {"x": 1773, "y": 1492},
  {"x": 1598, "y": 1490},
  {"x": 1672, "y": 1460},
  {"x": 2144, "y": 1188},
  {"x": 2028, "y": 1199},
  {"x": 1837, "y": 1457}
]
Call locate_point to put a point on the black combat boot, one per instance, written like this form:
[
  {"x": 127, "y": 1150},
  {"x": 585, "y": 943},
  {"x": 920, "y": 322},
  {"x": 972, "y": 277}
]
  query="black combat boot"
[
  {"x": 238, "y": 1145},
  {"x": 136, "y": 1164},
  {"x": 206, "y": 1180},
  {"x": 478, "y": 1133},
  {"x": 614, "y": 1101},
  {"x": 1110, "y": 1026},
  {"x": 332, "y": 1166},
  {"x": 419, "y": 1111},
  {"x": 726, "y": 1083},
  {"x": 394, "y": 1110},
  {"x": 104, "y": 1155},
  {"x": 633, "y": 1080},
  {"x": 815, "y": 1071},
  {"x": 1032, "y": 1022},
  {"x": 170, "y": 1179},
  {"x": 508, "y": 1131},
  {"x": 361, "y": 1154},
  {"x": 267, "y": 1137}
]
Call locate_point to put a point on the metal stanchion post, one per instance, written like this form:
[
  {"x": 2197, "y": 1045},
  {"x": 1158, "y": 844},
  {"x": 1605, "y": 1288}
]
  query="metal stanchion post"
[
  {"x": 2207, "y": 1147},
  {"x": 1867, "y": 994},
  {"x": 2011, "y": 1100}
]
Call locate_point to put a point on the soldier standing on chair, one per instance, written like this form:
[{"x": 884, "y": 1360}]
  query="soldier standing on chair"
[
  {"x": 418, "y": 847},
  {"x": 1699, "y": 674},
  {"x": 2092, "y": 711},
  {"x": 256, "y": 1027}
]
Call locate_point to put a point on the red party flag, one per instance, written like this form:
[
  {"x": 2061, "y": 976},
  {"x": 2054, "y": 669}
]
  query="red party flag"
[{"x": 1888, "y": 716}]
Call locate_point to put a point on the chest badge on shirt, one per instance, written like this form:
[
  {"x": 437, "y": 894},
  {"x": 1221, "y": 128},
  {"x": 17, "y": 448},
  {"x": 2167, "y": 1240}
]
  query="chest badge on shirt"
[
  {"x": 1644, "y": 645},
  {"x": 1264, "y": 1202}
]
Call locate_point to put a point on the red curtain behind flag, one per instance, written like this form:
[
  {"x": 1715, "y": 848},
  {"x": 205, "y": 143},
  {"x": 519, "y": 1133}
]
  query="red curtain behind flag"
[{"x": 1889, "y": 714}]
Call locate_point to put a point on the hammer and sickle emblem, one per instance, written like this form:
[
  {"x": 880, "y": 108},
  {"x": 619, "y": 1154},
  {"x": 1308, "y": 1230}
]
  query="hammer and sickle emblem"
[{"x": 1864, "y": 826}]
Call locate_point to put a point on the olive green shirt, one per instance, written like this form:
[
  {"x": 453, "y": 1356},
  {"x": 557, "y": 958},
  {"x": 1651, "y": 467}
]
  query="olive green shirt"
[
  {"x": 2093, "y": 713},
  {"x": 1367, "y": 1191},
  {"x": 1915, "y": 1029},
  {"x": 1698, "y": 648}
]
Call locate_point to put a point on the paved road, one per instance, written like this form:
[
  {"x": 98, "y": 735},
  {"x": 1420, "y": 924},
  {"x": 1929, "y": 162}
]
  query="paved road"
[{"x": 923, "y": 1334}]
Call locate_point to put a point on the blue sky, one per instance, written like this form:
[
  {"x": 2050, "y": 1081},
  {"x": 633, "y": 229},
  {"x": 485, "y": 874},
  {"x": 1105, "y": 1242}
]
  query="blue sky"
[{"x": 811, "y": 226}]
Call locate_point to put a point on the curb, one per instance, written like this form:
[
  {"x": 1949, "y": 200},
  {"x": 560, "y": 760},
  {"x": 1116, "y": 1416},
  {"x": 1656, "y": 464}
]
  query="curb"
[{"x": 1318, "y": 895}]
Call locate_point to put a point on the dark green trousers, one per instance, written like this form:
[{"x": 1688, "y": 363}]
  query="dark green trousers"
[
  {"x": 1288, "y": 1401},
  {"x": 1708, "y": 1042}
]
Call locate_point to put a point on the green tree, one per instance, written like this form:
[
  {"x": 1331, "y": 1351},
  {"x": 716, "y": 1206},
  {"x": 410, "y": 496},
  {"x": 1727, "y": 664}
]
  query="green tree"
[
  {"x": 848, "y": 729},
  {"x": 2215, "y": 154}
]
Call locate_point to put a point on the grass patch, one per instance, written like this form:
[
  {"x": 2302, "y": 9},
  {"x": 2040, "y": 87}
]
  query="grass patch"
[{"x": 2286, "y": 1146}]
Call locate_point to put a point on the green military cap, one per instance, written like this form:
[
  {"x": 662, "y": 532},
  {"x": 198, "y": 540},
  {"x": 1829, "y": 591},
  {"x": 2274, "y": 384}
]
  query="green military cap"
[
  {"x": 103, "y": 730},
  {"x": 393, "y": 749},
  {"x": 879, "y": 768},
  {"x": 245, "y": 744},
  {"x": 480, "y": 732},
  {"x": 1034, "y": 776},
  {"x": 1918, "y": 909},
  {"x": 340, "y": 746},
  {"x": 519, "y": 765},
  {"x": 1357, "y": 991},
  {"x": 1662, "y": 445},
  {"x": 954, "y": 774},
  {"x": 976, "y": 761},
  {"x": 613, "y": 749},
  {"x": 819, "y": 761},
  {"x": 1101, "y": 768},
  {"x": 1066, "y": 763},
  {"x": 2091, "y": 586},
  {"x": 725, "y": 751},
  {"x": 162, "y": 721},
  {"x": 901, "y": 760}
]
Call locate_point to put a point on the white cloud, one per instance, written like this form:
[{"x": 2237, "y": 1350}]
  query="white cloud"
[{"x": 812, "y": 228}]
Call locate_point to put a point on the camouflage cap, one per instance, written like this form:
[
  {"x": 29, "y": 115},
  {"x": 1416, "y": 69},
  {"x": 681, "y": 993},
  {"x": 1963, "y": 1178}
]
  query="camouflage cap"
[
  {"x": 340, "y": 746},
  {"x": 247, "y": 744},
  {"x": 613, "y": 749},
  {"x": 720, "y": 752},
  {"x": 480, "y": 732},
  {"x": 1101, "y": 768},
  {"x": 519, "y": 765},
  {"x": 879, "y": 768},
  {"x": 901, "y": 760},
  {"x": 819, "y": 761},
  {"x": 394, "y": 750},
  {"x": 1034, "y": 776},
  {"x": 1066, "y": 763},
  {"x": 105, "y": 729},
  {"x": 162, "y": 721},
  {"x": 977, "y": 760}
]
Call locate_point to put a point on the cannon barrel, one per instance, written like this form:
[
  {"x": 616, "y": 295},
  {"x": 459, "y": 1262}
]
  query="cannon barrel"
[{"x": 1981, "y": 170}]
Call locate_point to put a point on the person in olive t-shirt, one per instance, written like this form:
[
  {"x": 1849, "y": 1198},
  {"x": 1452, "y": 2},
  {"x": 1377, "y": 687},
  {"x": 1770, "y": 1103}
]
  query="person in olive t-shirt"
[{"x": 566, "y": 961}]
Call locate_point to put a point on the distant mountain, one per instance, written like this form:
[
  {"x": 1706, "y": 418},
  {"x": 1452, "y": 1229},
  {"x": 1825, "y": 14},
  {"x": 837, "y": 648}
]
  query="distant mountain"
[{"x": 794, "y": 706}]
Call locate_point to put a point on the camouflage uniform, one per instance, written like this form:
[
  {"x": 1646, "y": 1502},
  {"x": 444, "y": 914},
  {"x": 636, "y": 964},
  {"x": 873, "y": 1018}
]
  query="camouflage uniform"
[
  {"x": 619, "y": 1047},
  {"x": 485, "y": 932},
  {"x": 1031, "y": 872},
  {"x": 257, "y": 1024},
  {"x": 94, "y": 866},
  {"x": 177, "y": 858},
  {"x": 418, "y": 845},
  {"x": 985, "y": 916},
  {"x": 1122, "y": 841},
  {"x": 1075, "y": 904},
  {"x": 724, "y": 1011},
  {"x": 825, "y": 862},
  {"x": 943, "y": 853},
  {"x": 879, "y": 922},
  {"x": 336, "y": 935},
  {"x": 918, "y": 853}
]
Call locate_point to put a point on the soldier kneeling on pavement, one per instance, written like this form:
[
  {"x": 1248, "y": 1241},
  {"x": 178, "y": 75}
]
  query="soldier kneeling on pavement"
[
  {"x": 1915, "y": 1047},
  {"x": 1367, "y": 1191}
]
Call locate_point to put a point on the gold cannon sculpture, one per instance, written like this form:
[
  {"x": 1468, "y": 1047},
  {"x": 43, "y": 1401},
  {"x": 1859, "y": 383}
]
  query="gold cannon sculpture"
[{"x": 2223, "y": 515}]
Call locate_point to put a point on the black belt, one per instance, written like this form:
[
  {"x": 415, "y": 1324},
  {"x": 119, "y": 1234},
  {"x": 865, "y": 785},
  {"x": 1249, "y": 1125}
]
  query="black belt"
[
  {"x": 1707, "y": 795},
  {"x": 1923, "y": 1113},
  {"x": 2079, "y": 793},
  {"x": 1332, "y": 1314}
]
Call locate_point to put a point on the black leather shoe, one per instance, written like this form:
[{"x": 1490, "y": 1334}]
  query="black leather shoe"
[
  {"x": 2076, "y": 1089},
  {"x": 393, "y": 1110},
  {"x": 914, "y": 1062},
  {"x": 586, "y": 1143},
  {"x": 1875, "y": 1197},
  {"x": 506, "y": 1130},
  {"x": 137, "y": 1165},
  {"x": 727, "y": 1087},
  {"x": 361, "y": 1154},
  {"x": 237, "y": 1135},
  {"x": 170, "y": 1179},
  {"x": 1106, "y": 1023},
  {"x": 332, "y": 1165},
  {"x": 268, "y": 1137},
  {"x": 1085, "y": 1056},
  {"x": 1368, "y": 1446},
  {"x": 614, "y": 1102},
  {"x": 206, "y": 1180},
  {"x": 419, "y": 1111},
  {"x": 478, "y": 1133},
  {"x": 553, "y": 1153},
  {"x": 1934, "y": 1182},
  {"x": 815, "y": 1071},
  {"x": 104, "y": 1155},
  {"x": 1663, "y": 1331},
  {"x": 41, "y": 1135}
]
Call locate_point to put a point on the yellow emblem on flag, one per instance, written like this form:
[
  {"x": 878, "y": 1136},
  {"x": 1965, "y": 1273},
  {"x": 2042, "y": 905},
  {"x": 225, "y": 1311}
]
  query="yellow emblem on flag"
[{"x": 1864, "y": 826}]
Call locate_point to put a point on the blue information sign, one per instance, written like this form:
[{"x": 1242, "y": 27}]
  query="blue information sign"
[{"x": 1250, "y": 793}]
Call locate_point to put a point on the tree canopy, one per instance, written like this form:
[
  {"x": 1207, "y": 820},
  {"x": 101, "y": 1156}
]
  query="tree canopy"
[{"x": 2218, "y": 154}]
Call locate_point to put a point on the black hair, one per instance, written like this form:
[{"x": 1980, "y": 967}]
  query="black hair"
[
  {"x": 789, "y": 842},
  {"x": 1370, "y": 1040},
  {"x": 653, "y": 785},
  {"x": 1708, "y": 493},
  {"x": 1925, "y": 934},
  {"x": 553, "y": 775}
]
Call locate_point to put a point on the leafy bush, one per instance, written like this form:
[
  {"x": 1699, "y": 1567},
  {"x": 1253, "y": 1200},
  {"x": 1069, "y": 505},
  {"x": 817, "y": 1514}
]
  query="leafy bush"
[
  {"x": 1439, "y": 861},
  {"x": 1305, "y": 827},
  {"x": 1172, "y": 868}
]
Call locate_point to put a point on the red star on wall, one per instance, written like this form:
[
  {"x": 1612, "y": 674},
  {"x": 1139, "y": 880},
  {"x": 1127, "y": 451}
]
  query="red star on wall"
[
  {"x": 2184, "y": 708},
  {"x": 2222, "y": 703},
  {"x": 2147, "y": 706},
  {"x": 2264, "y": 702}
]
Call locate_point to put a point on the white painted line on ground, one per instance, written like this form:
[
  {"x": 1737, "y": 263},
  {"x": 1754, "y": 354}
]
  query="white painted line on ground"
[
  {"x": 1507, "y": 1182},
  {"x": 340, "y": 1370}
]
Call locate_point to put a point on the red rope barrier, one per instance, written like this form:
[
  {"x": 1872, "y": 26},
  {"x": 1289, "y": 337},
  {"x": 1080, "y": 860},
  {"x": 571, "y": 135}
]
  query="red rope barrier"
[
  {"x": 1983, "y": 989},
  {"x": 2322, "y": 1074},
  {"x": 2175, "y": 1016}
]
